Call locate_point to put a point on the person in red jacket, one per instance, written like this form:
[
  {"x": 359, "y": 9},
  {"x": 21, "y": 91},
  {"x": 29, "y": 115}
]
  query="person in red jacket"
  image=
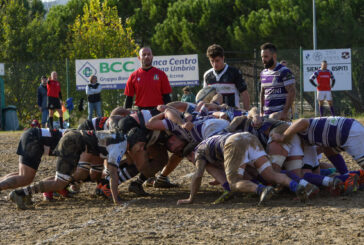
[
  {"x": 54, "y": 99},
  {"x": 150, "y": 85},
  {"x": 323, "y": 85}
]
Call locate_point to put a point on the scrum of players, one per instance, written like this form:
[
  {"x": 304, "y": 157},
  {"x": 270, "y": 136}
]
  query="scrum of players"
[{"x": 243, "y": 151}]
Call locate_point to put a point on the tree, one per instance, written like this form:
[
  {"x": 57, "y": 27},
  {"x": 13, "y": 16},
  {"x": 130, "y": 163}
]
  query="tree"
[{"x": 99, "y": 33}]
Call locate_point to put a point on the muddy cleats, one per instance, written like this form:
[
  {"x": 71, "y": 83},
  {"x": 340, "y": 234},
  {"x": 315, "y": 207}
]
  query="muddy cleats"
[
  {"x": 311, "y": 190},
  {"x": 18, "y": 200},
  {"x": 137, "y": 188},
  {"x": 163, "y": 182},
  {"x": 28, "y": 200},
  {"x": 300, "y": 193},
  {"x": 106, "y": 192},
  {"x": 226, "y": 195},
  {"x": 98, "y": 191},
  {"x": 335, "y": 188},
  {"x": 350, "y": 185},
  {"x": 150, "y": 182},
  {"x": 48, "y": 196},
  {"x": 62, "y": 193},
  {"x": 266, "y": 194}
]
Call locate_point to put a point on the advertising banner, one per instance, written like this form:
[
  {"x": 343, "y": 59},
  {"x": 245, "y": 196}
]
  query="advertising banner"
[
  {"x": 182, "y": 70},
  {"x": 338, "y": 61}
]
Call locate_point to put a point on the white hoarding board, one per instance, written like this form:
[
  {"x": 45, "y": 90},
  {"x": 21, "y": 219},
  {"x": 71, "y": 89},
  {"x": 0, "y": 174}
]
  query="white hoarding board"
[
  {"x": 338, "y": 61},
  {"x": 181, "y": 70},
  {"x": 2, "y": 69}
]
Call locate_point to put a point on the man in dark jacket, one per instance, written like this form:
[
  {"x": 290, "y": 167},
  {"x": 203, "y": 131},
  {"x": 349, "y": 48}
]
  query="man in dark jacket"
[{"x": 42, "y": 100}]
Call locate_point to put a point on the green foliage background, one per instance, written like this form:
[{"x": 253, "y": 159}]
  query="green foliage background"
[{"x": 34, "y": 43}]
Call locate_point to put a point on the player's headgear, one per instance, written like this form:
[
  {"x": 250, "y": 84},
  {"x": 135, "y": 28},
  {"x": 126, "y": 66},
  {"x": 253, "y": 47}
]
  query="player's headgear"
[{"x": 134, "y": 136}]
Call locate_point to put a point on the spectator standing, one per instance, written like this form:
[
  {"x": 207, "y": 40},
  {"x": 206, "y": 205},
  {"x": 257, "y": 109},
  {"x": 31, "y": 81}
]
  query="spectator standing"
[
  {"x": 323, "y": 85},
  {"x": 93, "y": 91},
  {"x": 42, "y": 100},
  {"x": 277, "y": 85},
  {"x": 187, "y": 95},
  {"x": 150, "y": 85},
  {"x": 228, "y": 81},
  {"x": 54, "y": 99}
]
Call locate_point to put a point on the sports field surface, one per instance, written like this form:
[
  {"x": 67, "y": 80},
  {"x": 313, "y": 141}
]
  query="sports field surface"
[{"x": 87, "y": 219}]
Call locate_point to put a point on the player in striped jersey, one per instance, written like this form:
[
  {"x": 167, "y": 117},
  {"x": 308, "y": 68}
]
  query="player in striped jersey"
[
  {"x": 234, "y": 152},
  {"x": 333, "y": 134},
  {"x": 277, "y": 85}
]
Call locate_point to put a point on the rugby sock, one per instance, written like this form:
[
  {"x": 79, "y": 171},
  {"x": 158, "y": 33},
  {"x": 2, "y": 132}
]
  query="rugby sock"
[
  {"x": 332, "y": 110},
  {"x": 50, "y": 121},
  {"x": 291, "y": 175},
  {"x": 61, "y": 122},
  {"x": 314, "y": 178},
  {"x": 339, "y": 163},
  {"x": 226, "y": 186},
  {"x": 293, "y": 186},
  {"x": 327, "y": 181},
  {"x": 321, "y": 111},
  {"x": 141, "y": 179},
  {"x": 328, "y": 171},
  {"x": 260, "y": 189}
]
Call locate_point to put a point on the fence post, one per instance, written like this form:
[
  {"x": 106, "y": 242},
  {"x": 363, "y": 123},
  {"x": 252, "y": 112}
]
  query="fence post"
[
  {"x": 2, "y": 101},
  {"x": 256, "y": 89},
  {"x": 301, "y": 80}
]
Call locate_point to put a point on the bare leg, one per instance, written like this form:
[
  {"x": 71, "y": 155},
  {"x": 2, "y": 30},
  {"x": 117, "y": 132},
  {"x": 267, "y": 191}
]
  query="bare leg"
[{"x": 24, "y": 177}]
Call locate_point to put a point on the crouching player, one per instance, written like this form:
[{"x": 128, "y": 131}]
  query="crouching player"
[
  {"x": 33, "y": 144},
  {"x": 235, "y": 151},
  {"x": 111, "y": 145}
]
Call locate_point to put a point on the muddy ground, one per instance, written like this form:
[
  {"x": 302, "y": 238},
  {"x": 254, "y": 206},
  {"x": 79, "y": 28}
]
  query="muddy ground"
[{"x": 87, "y": 219}]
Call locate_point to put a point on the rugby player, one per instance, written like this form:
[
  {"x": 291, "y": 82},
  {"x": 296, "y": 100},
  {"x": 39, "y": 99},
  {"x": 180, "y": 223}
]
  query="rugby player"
[{"x": 111, "y": 145}]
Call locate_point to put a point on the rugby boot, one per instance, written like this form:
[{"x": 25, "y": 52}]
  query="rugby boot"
[
  {"x": 311, "y": 190},
  {"x": 106, "y": 192},
  {"x": 303, "y": 192},
  {"x": 150, "y": 182},
  {"x": 98, "y": 191},
  {"x": 48, "y": 196},
  {"x": 62, "y": 193},
  {"x": 226, "y": 195},
  {"x": 335, "y": 188},
  {"x": 266, "y": 194},
  {"x": 19, "y": 200},
  {"x": 28, "y": 200},
  {"x": 137, "y": 188},
  {"x": 350, "y": 185},
  {"x": 163, "y": 182}
]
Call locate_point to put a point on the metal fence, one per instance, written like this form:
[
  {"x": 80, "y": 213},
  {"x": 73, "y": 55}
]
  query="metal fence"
[{"x": 23, "y": 79}]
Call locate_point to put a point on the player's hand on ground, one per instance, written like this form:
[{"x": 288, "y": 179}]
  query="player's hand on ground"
[{"x": 184, "y": 201}]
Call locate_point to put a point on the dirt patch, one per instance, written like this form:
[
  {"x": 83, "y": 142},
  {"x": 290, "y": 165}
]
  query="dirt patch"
[{"x": 87, "y": 219}]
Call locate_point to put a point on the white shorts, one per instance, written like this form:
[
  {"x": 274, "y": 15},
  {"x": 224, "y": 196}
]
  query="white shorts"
[
  {"x": 293, "y": 147},
  {"x": 354, "y": 145},
  {"x": 213, "y": 126},
  {"x": 310, "y": 158},
  {"x": 324, "y": 95}
]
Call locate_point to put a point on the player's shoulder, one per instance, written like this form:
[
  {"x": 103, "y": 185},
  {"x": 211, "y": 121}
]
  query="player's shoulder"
[{"x": 209, "y": 72}]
